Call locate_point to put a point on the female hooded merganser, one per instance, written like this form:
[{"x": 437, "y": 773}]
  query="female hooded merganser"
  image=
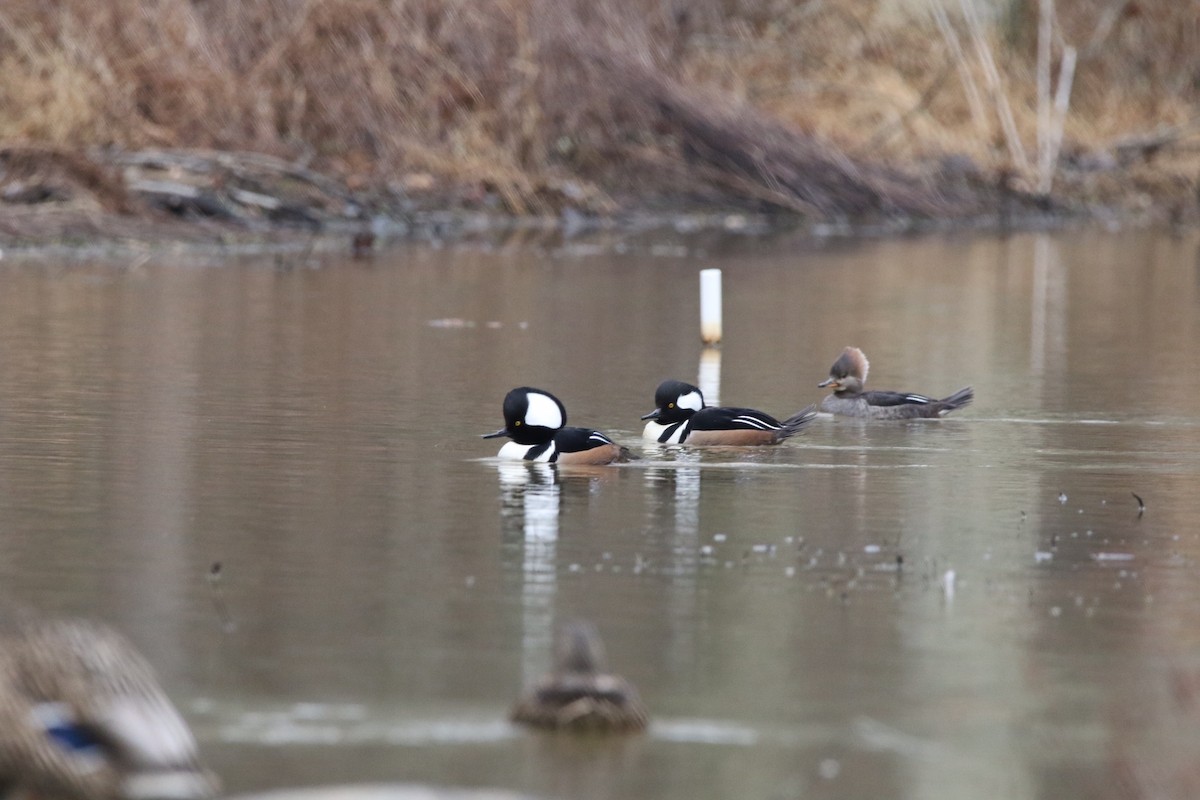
[
  {"x": 534, "y": 419},
  {"x": 83, "y": 718},
  {"x": 682, "y": 418},
  {"x": 579, "y": 694},
  {"x": 849, "y": 373}
]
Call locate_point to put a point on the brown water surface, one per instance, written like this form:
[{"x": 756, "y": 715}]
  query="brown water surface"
[{"x": 387, "y": 586}]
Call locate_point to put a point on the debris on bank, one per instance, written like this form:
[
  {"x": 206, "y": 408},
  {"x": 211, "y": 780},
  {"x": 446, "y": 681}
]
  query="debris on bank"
[
  {"x": 56, "y": 195},
  {"x": 49, "y": 193}
]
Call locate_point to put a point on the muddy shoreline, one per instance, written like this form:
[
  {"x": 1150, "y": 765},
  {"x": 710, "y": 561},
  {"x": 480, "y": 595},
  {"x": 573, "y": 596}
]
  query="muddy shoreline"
[{"x": 207, "y": 200}]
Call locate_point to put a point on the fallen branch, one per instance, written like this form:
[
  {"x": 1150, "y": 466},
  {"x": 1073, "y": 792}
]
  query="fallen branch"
[
  {"x": 1147, "y": 145},
  {"x": 238, "y": 164},
  {"x": 182, "y": 199}
]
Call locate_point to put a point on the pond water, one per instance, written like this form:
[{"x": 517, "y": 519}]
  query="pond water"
[{"x": 386, "y": 586}]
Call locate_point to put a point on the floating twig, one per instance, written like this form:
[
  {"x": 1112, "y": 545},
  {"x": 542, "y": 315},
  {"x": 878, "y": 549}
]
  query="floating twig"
[{"x": 1141, "y": 504}]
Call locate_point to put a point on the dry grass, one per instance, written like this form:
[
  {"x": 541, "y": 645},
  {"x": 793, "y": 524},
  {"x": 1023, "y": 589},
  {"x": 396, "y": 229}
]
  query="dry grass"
[{"x": 547, "y": 102}]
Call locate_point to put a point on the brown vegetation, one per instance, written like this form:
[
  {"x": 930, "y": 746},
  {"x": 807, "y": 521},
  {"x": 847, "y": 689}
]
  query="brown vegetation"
[{"x": 833, "y": 110}]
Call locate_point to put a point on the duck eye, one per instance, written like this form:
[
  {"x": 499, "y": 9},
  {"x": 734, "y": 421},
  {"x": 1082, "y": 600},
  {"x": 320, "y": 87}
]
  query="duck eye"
[
  {"x": 517, "y": 424},
  {"x": 670, "y": 405}
]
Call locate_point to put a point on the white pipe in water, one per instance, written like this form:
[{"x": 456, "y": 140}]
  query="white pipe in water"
[{"x": 710, "y": 306}]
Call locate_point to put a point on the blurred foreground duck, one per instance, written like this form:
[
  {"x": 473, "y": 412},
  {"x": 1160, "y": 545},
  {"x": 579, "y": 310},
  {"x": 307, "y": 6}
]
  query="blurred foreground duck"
[
  {"x": 535, "y": 420},
  {"x": 848, "y": 375},
  {"x": 82, "y": 717},
  {"x": 681, "y": 417},
  {"x": 579, "y": 694}
]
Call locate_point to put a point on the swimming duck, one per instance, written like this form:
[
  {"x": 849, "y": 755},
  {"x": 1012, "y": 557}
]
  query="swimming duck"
[
  {"x": 848, "y": 375},
  {"x": 536, "y": 421},
  {"x": 681, "y": 417}
]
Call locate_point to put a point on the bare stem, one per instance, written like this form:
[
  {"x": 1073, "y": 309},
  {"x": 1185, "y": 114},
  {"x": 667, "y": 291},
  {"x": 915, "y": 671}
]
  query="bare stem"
[{"x": 991, "y": 74}]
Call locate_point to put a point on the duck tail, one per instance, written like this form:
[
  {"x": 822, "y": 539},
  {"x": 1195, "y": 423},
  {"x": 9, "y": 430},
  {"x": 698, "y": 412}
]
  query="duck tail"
[
  {"x": 796, "y": 423},
  {"x": 962, "y": 397}
]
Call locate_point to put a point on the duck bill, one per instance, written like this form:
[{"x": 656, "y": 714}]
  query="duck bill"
[
  {"x": 652, "y": 414},
  {"x": 495, "y": 434},
  {"x": 828, "y": 382}
]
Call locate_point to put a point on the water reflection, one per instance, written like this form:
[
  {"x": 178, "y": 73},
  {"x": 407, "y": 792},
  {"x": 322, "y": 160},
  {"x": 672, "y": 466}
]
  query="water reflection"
[
  {"x": 676, "y": 507},
  {"x": 530, "y": 501},
  {"x": 393, "y": 592},
  {"x": 708, "y": 376},
  {"x": 1048, "y": 305}
]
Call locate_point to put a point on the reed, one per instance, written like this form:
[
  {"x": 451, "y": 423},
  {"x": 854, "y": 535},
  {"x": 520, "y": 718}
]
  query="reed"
[{"x": 545, "y": 103}]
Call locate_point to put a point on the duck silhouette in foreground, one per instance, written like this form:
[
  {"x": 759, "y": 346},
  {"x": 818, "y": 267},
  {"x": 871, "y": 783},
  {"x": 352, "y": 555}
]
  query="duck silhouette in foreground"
[
  {"x": 579, "y": 694},
  {"x": 82, "y": 717},
  {"x": 848, "y": 376}
]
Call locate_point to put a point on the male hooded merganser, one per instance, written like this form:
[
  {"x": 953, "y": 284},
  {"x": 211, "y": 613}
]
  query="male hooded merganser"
[
  {"x": 849, "y": 373},
  {"x": 579, "y": 694},
  {"x": 682, "y": 418},
  {"x": 83, "y": 718},
  {"x": 534, "y": 419}
]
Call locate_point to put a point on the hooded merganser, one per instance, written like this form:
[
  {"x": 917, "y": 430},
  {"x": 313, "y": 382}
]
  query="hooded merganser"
[
  {"x": 682, "y": 418},
  {"x": 579, "y": 694},
  {"x": 849, "y": 373},
  {"x": 534, "y": 419},
  {"x": 83, "y": 718}
]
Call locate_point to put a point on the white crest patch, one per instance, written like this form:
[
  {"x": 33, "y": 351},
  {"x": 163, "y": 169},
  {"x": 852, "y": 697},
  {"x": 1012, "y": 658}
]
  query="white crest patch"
[
  {"x": 866, "y": 365},
  {"x": 692, "y": 400},
  {"x": 543, "y": 412}
]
